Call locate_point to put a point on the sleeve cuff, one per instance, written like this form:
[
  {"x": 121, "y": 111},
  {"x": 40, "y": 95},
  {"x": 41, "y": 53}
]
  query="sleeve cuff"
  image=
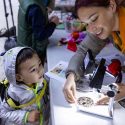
[
  {"x": 26, "y": 117},
  {"x": 52, "y": 24},
  {"x": 69, "y": 72}
]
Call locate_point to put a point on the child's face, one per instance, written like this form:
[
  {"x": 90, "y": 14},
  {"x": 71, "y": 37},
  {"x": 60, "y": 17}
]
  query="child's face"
[{"x": 30, "y": 71}]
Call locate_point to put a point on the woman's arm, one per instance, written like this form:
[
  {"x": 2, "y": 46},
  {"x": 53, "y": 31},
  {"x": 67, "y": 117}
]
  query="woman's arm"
[{"x": 76, "y": 65}]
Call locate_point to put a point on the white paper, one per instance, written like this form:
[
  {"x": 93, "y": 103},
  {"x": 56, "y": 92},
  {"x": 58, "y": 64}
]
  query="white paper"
[
  {"x": 102, "y": 110},
  {"x": 58, "y": 71}
]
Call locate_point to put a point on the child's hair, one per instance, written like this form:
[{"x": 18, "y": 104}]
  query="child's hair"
[{"x": 23, "y": 55}]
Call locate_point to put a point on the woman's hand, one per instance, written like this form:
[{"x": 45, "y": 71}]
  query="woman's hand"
[
  {"x": 70, "y": 89},
  {"x": 49, "y": 10},
  {"x": 119, "y": 95}
]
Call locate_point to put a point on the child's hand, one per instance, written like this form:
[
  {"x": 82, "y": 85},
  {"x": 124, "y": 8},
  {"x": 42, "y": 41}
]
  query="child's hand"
[
  {"x": 49, "y": 10},
  {"x": 54, "y": 19},
  {"x": 33, "y": 116},
  {"x": 103, "y": 101}
]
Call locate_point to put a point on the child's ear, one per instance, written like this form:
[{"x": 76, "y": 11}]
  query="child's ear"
[
  {"x": 113, "y": 6},
  {"x": 19, "y": 77}
]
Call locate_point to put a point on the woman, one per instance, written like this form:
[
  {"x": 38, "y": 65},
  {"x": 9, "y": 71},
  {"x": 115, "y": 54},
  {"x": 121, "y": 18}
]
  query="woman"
[{"x": 102, "y": 19}]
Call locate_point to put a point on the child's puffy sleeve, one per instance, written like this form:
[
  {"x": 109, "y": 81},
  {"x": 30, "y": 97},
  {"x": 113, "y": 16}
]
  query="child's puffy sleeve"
[{"x": 9, "y": 114}]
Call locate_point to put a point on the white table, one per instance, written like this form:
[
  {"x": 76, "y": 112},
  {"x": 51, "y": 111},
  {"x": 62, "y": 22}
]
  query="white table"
[
  {"x": 64, "y": 3},
  {"x": 62, "y": 113}
]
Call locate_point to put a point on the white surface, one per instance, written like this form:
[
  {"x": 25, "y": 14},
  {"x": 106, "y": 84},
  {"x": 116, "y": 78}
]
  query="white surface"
[
  {"x": 101, "y": 110},
  {"x": 57, "y": 53},
  {"x": 64, "y": 3},
  {"x": 58, "y": 71},
  {"x": 62, "y": 113}
]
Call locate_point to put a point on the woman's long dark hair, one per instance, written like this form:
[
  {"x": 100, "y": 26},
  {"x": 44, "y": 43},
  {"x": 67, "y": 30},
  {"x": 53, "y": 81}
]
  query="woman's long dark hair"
[
  {"x": 97, "y": 3},
  {"x": 90, "y": 3}
]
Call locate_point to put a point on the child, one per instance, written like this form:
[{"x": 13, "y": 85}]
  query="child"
[
  {"x": 25, "y": 99},
  {"x": 34, "y": 26},
  {"x": 50, "y": 4}
]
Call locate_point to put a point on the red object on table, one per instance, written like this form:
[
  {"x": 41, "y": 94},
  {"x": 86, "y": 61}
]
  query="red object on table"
[
  {"x": 115, "y": 67},
  {"x": 72, "y": 46}
]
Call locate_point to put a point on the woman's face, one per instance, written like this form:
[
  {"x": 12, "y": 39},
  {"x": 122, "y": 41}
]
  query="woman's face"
[{"x": 99, "y": 21}]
